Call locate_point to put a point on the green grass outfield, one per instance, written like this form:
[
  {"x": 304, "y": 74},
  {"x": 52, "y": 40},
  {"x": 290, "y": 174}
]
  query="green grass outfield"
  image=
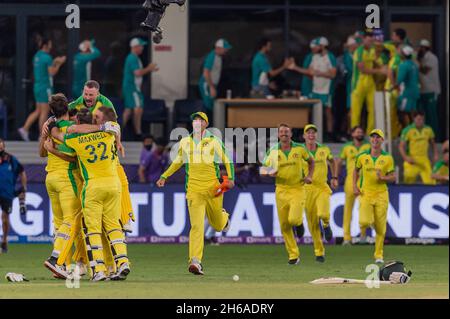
[{"x": 160, "y": 271}]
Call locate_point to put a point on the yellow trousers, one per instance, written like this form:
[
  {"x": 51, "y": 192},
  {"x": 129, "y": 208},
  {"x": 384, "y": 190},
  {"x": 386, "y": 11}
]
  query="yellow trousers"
[
  {"x": 200, "y": 204},
  {"x": 348, "y": 206},
  {"x": 100, "y": 200},
  {"x": 290, "y": 207},
  {"x": 373, "y": 213},
  {"x": 317, "y": 207},
  {"x": 421, "y": 167},
  {"x": 363, "y": 92}
]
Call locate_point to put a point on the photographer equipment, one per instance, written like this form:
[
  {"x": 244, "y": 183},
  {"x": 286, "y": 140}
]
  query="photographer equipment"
[{"x": 156, "y": 10}]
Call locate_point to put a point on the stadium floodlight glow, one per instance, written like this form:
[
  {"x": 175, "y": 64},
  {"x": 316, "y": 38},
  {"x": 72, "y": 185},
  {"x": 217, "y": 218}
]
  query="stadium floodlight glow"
[{"x": 156, "y": 10}]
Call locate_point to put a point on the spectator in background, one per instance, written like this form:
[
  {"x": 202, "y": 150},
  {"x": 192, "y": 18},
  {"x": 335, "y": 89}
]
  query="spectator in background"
[
  {"x": 212, "y": 70},
  {"x": 148, "y": 142},
  {"x": 440, "y": 170},
  {"x": 44, "y": 68},
  {"x": 153, "y": 163},
  {"x": 430, "y": 85},
  {"x": 350, "y": 47},
  {"x": 306, "y": 86},
  {"x": 413, "y": 148},
  {"x": 323, "y": 70},
  {"x": 133, "y": 74},
  {"x": 82, "y": 66},
  {"x": 262, "y": 70},
  {"x": 363, "y": 84},
  {"x": 408, "y": 84},
  {"x": 10, "y": 170}
]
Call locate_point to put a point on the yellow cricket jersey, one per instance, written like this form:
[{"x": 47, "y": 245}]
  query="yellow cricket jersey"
[
  {"x": 201, "y": 159},
  {"x": 417, "y": 140},
  {"x": 368, "y": 57},
  {"x": 349, "y": 152},
  {"x": 96, "y": 154},
  {"x": 368, "y": 167},
  {"x": 289, "y": 165},
  {"x": 441, "y": 168},
  {"x": 321, "y": 156},
  {"x": 54, "y": 163}
]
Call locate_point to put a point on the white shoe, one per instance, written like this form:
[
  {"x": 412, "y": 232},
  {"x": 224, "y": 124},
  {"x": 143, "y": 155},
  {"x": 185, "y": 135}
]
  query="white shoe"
[
  {"x": 195, "y": 267},
  {"x": 122, "y": 272},
  {"x": 363, "y": 240},
  {"x": 379, "y": 261},
  {"x": 57, "y": 270},
  {"x": 99, "y": 276},
  {"x": 23, "y": 134},
  {"x": 346, "y": 243}
]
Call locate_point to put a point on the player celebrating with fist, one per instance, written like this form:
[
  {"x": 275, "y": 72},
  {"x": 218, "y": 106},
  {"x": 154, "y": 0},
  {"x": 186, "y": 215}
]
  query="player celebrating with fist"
[
  {"x": 374, "y": 169},
  {"x": 199, "y": 152},
  {"x": 286, "y": 161}
]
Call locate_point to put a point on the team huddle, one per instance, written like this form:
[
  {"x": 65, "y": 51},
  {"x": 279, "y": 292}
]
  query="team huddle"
[{"x": 87, "y": 186}]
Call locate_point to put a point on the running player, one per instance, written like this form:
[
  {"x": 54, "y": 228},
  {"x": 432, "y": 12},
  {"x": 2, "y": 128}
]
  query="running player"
[
  {"x": 348, "y": 155},
  {"x": 286, "y": 161},
  {"x": 318, "y": 193},
  {"x": 200, "y": 152},
  {"x": 373, "y": 170}
]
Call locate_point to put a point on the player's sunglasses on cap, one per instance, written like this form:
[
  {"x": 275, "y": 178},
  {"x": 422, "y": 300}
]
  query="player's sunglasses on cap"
[
  {"x": 200, "y": 114},
  {"x": 378, "y": 132},
  {"x": 310, "y": 126}
]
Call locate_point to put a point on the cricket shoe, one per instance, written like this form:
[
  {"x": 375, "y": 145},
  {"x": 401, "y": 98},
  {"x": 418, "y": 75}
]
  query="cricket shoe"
[
  {"x": 195, "y": 267},
  {"x": 300, "y": 230},
  {"x": 99, "y": 276},
  {"x": 23, "y": 134},
  {"x": 58, "y": 270},
  {"x": 122, "y": 272},
  {"x": 293, "y": 262},
  {"x": 320, "y": 259},
  {"x": 347, "y": 243}
]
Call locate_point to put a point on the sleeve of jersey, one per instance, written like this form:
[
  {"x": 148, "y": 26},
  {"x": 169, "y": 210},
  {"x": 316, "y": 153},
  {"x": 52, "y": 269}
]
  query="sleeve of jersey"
[
  {"x": 404, "y": 135},
  {"x": 134, "y": 64},
  {"x": 391, "y": 167},
  {"x": 357, "y": 56},
  {"x": 266, "y": 67},
  {"x": 307, "y": 61},
  {"x": 209, "y": 62},
  {"x": 332, "y": 59},
  {"x": 176, "y": 164},
  {"x": 342, "y": 154},
  {"x": 226, "y": 159},
  {"x": 358, "y": 162},
  {"x": 330, "y": 155},
  {"x": 401, "y": 75},
  {"x": 437, "y": 167}
]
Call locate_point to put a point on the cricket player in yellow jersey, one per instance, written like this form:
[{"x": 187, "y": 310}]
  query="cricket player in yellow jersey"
[
  {"x": 63, "y": 183},
  {"x": 363, "y": 83},
  {"x": 348, "y": 155},
  {"x": 93, "y": 100},
  {"x": 100, "y": 199},
  {"x": 286, "y": 161},
  {"x": 318, "y": 193},
  {"x": 201, "y": 153},
  {"x": 440, "y": 170},
  {"x": 373, "y": 170},
  {"x": 413, "y": 147}
]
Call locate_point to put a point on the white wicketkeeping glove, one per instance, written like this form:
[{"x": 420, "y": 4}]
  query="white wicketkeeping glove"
[
  {"x": 399, "y": 278},
  {"x": 111, "y": 127},
  {"x": 13, "y": 277}
]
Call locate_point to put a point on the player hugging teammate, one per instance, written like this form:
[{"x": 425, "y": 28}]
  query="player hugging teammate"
[{"x": 86, "y": 183}]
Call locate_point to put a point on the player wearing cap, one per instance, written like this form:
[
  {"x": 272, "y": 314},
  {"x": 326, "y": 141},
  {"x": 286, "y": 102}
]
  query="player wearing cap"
[
  {"x": 133, "y": 73},
  {"x": 323, "y": 70},
  {"x": 348, "y": 155},
  {"x": 82, "y": 65},
  {"x": 212, "y": 69},
  {"x": 286, "y": 161},
  {"x": 363, "y": 84},
  {"x": 430, "y": 85},
  {"x": 413, "y": 147},
  {"x": 408, "y": 84},
  {"x": 318, "y": 192},
  {"x": 201, "y": 153},
  {"x": 373, "y": 170}
]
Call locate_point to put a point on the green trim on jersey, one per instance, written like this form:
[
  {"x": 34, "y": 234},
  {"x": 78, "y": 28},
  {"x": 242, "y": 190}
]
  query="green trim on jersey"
[{"x": 73, "y": 166}]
